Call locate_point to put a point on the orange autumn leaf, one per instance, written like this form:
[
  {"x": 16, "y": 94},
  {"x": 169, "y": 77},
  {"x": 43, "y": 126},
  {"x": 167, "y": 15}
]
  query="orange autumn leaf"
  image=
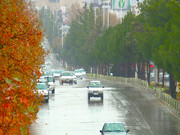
[{"x": 21, "y": 56}]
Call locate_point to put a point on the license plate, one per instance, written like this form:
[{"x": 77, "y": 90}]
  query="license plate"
[
  {"x": 67, "y": 80},
  {"x": 96, "y": 93}
]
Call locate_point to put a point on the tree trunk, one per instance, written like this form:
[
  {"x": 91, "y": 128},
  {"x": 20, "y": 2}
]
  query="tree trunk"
[
  {"x": 148, "y": 73},
  {"x": 172, "y": 86},
  {"x": 100, "y": 69},
  {"x": 163, "y": 79},
  {"x": 158, "y": 76},
  {"x": 143, "y": 71}
]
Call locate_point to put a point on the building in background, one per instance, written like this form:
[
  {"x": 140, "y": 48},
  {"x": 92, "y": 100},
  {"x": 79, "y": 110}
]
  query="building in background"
[
  {"x": 116, "y": 7},
  {"x": 55, "y": 4}
]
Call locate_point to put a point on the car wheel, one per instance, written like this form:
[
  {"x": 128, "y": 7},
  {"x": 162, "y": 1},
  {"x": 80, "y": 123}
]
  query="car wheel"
[
  {"x": 102, "y": 97},
  {"x": 89, "y": 97},
  {"x": 47, "y": 100},
  {"x": 53, "y": 91}
]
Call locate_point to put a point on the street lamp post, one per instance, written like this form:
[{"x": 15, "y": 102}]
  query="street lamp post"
[{"x": 62, "y": 35}]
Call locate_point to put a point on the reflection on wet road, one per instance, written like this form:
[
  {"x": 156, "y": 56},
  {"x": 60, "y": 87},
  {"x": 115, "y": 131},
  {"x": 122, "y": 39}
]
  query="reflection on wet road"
[{"x": 69, "y": 112}]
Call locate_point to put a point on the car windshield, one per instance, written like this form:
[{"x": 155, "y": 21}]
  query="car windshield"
[
  {"x": 95, "y": 84},
  {"x": 47, "y": 74},
  {"x": 49, "y": 79},
  {"x": 56, "y": 71},
  {"x": 82, "y": 70},
  {"x": 41, "y": 86},
  {"x": 41, "y": 80},
  {"x": 114, "y": 127},
  {"x": 67, "y": 74},
  {"x": 72, "y": 73},
  {"x": 77, "y": 71}
]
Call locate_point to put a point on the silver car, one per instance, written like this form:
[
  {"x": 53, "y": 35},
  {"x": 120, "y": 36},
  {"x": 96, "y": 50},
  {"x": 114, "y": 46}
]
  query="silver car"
[{"x": 95, "y": 89}]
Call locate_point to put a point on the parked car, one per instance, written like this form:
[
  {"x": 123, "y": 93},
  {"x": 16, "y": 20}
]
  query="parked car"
[
  {"x": 166, "y": 76},
  {"x": 51, "y": 83},
  {"x": 152, "y": 76},
  {"x": 42, "y": 79},
  {"x": 114, "y": 128},
  {"x": 95, "y": 89},
  {"x": 66, "y": 77},
  {"x": 44, "y": 90}
]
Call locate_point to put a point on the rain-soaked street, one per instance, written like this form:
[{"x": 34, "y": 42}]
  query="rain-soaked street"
[{"x": 69, "y": 112}]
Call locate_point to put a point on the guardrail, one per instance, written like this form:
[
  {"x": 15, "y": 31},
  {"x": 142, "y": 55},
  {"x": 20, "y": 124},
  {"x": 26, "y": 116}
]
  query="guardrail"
[
  {"x": 165, "y": 98},
  {"x": 134, "y": 81},
  {"x": 168, "y": 100}
]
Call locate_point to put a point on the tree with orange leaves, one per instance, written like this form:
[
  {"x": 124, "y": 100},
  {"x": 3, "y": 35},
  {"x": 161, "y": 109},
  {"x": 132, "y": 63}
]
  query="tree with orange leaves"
[{"x": 21, "y": 57}]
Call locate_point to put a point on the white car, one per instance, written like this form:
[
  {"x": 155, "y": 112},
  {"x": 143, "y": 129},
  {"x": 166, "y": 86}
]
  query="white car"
[
  {"x": 66, "y": 77},
  {"x": 42, "y": 79},
  {"x": 83, "y": 72},
  {"x": 51, "y": 83},
  {"x": 95, "y": 89},
  {"x": 43, "y": 90},
  {"x": 78, "y": 74},
  {"x": 56, "y": 74},
  {"x": 74, "y": 77}
]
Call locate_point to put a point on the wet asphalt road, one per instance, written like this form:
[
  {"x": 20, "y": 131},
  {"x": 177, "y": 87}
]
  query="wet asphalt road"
[{"x": 69, "y": 112}]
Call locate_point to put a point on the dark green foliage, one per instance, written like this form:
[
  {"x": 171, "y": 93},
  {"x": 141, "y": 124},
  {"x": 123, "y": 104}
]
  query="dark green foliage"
[
  {"x": 81, "y": 38},
  {"x": 118, "y": 46},
  {"x": 160, "y": 41}
]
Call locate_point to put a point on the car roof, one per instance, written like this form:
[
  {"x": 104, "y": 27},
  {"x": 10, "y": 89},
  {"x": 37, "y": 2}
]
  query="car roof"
[
  {"x": 113, "y": 122},
  {"x": 42, "y": 83},
  {"x": 95, "y": 81}
]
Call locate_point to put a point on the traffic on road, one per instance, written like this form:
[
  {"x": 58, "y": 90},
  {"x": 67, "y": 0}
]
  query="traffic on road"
[{"x": 99, "y": 107}]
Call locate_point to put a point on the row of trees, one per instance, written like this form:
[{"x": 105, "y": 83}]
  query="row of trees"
[
  {"x": 81, "y": 38},
  {"x": 21, "y": 56},
  {"x": 159, "y": 42},
  {"x": 151, "y": 36}
]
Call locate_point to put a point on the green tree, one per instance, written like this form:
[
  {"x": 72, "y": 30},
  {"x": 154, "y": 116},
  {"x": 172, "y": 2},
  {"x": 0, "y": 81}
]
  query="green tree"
[
  {"x": 160, "y": 36},
  {"x": 117, "y": 46},
  {"x": 84, "y": 30}
]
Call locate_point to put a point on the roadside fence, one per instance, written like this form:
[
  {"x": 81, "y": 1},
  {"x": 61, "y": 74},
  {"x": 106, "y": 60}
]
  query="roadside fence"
[{"x": 165, "y": 98}]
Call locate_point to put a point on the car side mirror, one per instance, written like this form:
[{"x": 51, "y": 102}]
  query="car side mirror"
[
  {"x": 127, "y": 131},
  {"x": 101, "y": 131},
  {"x": 87, "y": 86}
]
